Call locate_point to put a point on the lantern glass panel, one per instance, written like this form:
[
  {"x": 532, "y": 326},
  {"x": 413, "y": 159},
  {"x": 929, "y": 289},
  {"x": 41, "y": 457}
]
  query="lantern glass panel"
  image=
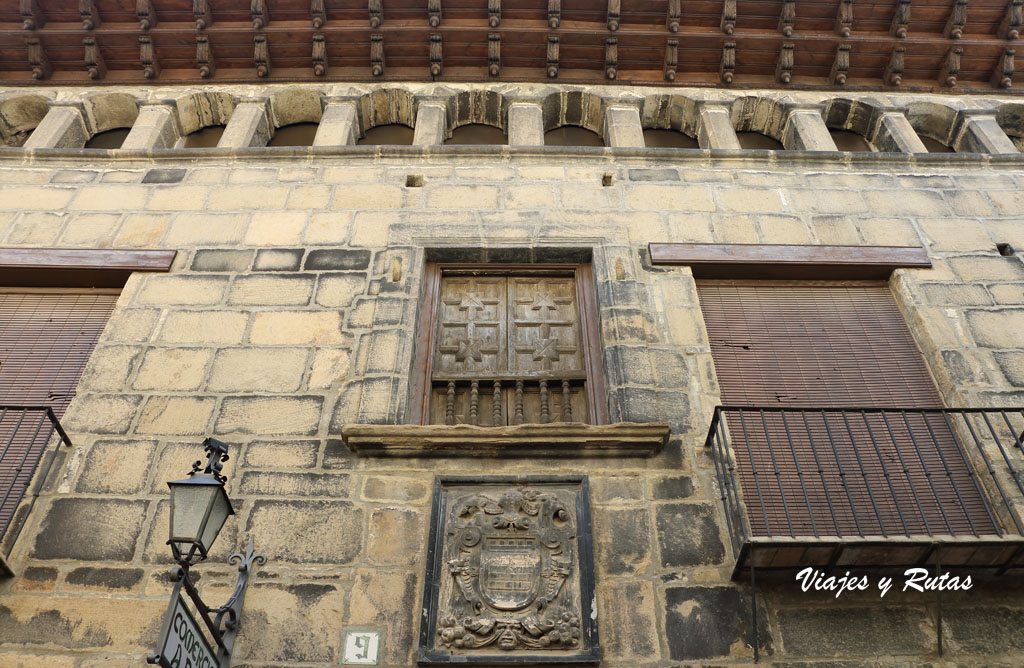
[{"x": 218, "y": 515}]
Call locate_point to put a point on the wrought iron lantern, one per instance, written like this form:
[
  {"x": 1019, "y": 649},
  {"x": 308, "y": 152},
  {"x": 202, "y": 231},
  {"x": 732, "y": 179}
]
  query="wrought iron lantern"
[{"x": 199, "y": 506}]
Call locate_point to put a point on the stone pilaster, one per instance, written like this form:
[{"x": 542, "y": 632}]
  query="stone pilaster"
[
  {"x": 249, "y": 125},
  {"x": 714, "y": 127},
  {"x": 525, "y": 124},
  {"x": 339, "y": 125},
  {"x": 891, "y": 132},
  {"x": 63, "y": 126},
  {"x": 622, "y": 127},
  {"x": 805, "y": 130},
  {"x": 977, "y": 131},
  {"x": 431, "y": 123},
  {"x": 155, "y": 127}
]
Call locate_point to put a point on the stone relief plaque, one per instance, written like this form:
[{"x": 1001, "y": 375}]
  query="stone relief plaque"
[{"x": 510, "y": 573}]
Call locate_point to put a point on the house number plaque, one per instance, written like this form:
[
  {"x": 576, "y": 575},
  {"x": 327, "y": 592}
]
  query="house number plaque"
[{"x": 511, "y": 576}]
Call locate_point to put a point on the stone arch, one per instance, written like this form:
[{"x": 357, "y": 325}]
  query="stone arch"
[
  {"x": 108, "y": 111},
  {"x": 670, "y": 112},
  {"x": 19, "y": 115},
  {"x": 763, "y": 115},
  {"x": 485, "y": 107},
  {"x": 854, "y": 115},
  {"x": 574, "y": 107},
  {"x": 201, "y": 110},
  {"x": 295, "y": 105},
  {"x": 386, "y": 106},
  {"x": 934, "y": 120},
  {"x": 1010, "y": 117}
]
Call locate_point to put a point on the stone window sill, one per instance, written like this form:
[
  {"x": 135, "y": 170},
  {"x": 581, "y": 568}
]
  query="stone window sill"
[{"x": 562, "y": 440}]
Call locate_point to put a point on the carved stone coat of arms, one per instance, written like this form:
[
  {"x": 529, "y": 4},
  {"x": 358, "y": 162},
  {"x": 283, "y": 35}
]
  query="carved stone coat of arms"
[{"x": 509, "y": 570}]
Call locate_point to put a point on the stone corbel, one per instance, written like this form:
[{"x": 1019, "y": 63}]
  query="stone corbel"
[{"x": 714, "y": 126}]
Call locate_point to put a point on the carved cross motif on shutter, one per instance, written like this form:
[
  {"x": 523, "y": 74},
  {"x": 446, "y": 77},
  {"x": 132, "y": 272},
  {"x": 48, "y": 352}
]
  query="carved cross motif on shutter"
[
  {"x": 469, "y": 349},
  {"x": 544, "y": 325},
  {"x": 471, "y": 326},
  {"x": 471, "y": 304}
]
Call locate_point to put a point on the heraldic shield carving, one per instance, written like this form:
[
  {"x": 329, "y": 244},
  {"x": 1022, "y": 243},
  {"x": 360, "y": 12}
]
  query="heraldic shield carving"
[{"x": 511, "y": 572}]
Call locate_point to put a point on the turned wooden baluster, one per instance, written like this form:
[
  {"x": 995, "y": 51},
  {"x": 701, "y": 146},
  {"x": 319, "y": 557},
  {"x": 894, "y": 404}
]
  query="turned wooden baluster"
[
  {"x": 449, "y": 405},
  {"x": 474, "y": 402},
  {"x": 518, "y": 418},
  {"x": 496, "y": 418},
  {"x": 545, "y": 406},
  {"x": 566, "y": 406}
]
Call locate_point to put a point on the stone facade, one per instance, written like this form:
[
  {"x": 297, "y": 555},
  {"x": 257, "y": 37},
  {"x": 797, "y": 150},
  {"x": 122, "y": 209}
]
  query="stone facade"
[{"x": 290, "y": 311}]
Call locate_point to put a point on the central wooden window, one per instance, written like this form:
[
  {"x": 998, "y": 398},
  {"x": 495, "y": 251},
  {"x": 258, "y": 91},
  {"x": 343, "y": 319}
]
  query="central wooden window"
[{"x": 506, "y": 345}]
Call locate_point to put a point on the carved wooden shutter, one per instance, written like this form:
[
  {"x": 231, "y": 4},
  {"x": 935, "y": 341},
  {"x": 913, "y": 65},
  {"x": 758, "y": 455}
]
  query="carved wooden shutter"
[{"x": 508, "y": 350}]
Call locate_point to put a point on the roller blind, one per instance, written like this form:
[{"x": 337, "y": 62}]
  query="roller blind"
[
  {"x": 833, "y": 345},
  {"x": 45, "y": 342}
]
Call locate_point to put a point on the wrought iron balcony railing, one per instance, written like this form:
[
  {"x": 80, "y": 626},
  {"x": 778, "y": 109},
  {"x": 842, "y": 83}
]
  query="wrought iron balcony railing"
[
  {"x": 25, "y": 431},
  {"x": 888, "y": 486}
]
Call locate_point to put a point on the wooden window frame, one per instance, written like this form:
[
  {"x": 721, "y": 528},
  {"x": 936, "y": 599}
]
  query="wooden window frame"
[{"x": 426, "y": 330}]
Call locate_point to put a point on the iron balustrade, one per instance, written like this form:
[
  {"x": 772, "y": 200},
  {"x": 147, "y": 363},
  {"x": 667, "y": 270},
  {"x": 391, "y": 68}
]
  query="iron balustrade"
[
  {"x": 25, "y": 432},
  {"x": 837, "y": 472}
]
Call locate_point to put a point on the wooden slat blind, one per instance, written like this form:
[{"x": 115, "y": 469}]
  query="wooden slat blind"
[
  {"x": 834, "y": 345},
  {"x": 45, "y": 342}
]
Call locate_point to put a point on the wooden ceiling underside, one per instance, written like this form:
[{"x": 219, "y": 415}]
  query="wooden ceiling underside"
[{"x": 738, "y": 43}]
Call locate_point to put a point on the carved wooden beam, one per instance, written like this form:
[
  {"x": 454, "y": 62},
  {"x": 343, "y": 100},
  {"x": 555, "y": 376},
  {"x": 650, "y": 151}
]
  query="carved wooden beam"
[
  {"x": 671, "y": 59},
  {"x": 1010, "y": 27},
  {"x": 957, "y": 20},
  {"x": 204, "y": 57},
  {"x": 41, "y": 68},
  {"x": 201, "y": 12},
  {"x": 146, "y": 12},
  {"x": 319, "y": 55},
  {"x": 675, "y": 15},
  {"x": 434, "y": 13},
  {"x": 317, "y": 13},
  {"x": 900, "y": 19},
  {"x": 611, "y": 58},
  {"x": 377, "y": 55},
  {"x": 788, "y": 17},
  {"x": 614, "y": 14},
  {"x": 894, "y": 69},
  {"x": 729, "y": 17},
  {"x": 147, "y": 57},
  {"x": 31, "y": 16},
  {"x": 260, "y": 13},
  {"x": 261, "y": 55},
  {"x": 951, "y": 67},
  {"x": 90, "y": 14},
  {"x": 494, "y": 54},
  {"x": 554, "y": 13},
  {"x": 494, "y": 13},
  {"x": 784, "y": 66},
  {"x": 436, "y": 55},
  {"x": 1002, "y": 77},
  {"x": 840, "y": 66},
  {"x": 727, "y": 69},
  {"x": 844, "y": 19},
  {"x": 552, "y": 58},
  {"x": 376, "y": 9},
  {"x": 94, "y": 64}
]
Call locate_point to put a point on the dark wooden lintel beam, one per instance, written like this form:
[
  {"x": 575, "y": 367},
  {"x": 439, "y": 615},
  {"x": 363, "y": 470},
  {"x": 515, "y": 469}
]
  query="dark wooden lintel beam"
[
  {"x": 788, "y": 261},
  {"x": 78, "y": 267}
]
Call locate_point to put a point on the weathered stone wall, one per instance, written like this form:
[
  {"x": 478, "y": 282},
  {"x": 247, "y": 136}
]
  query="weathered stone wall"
[{"x": 290, "y": 310}]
